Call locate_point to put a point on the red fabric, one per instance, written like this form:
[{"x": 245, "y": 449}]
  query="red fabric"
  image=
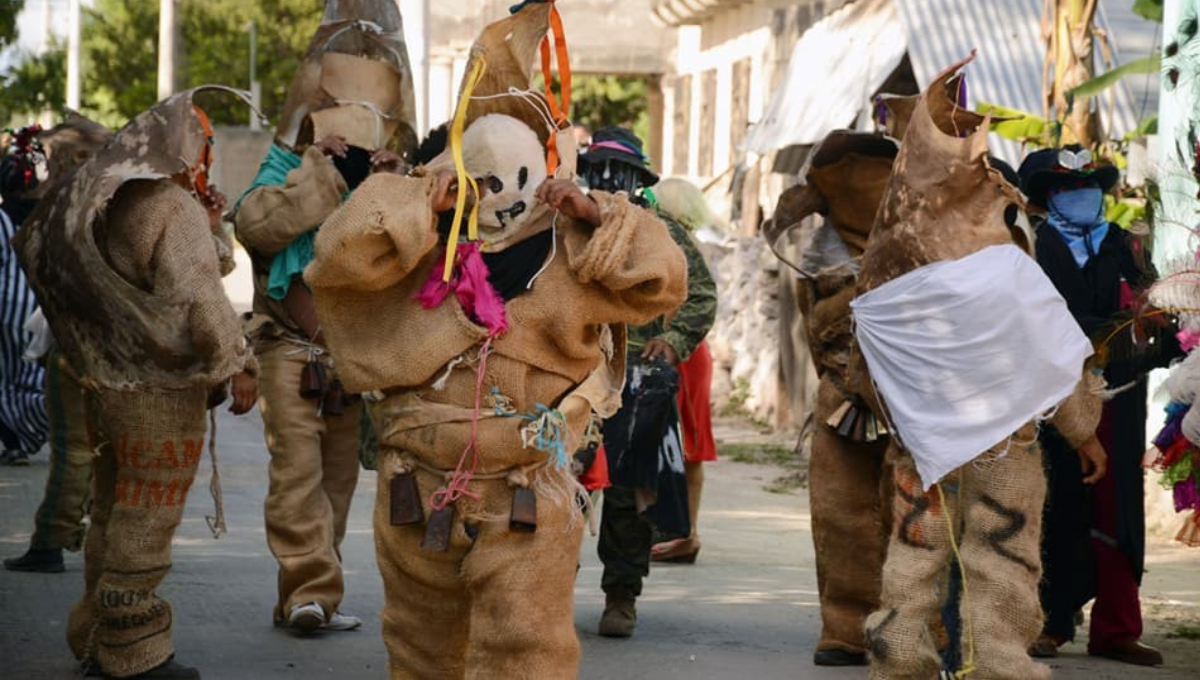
[
  {"x": 695, "y": 408},
  {"x": 595, "y": 478},
  {"x": 1117, "y": 611}
]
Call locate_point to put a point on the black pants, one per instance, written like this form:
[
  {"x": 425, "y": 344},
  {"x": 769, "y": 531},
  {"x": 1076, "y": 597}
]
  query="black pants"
[
  {"x": 1068, "y": 579},
  {"x": 625, "y": 542}
]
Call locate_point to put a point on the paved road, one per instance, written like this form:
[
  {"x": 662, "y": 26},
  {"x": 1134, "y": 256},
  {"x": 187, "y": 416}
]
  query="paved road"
[{"x": 746, "y": 610}]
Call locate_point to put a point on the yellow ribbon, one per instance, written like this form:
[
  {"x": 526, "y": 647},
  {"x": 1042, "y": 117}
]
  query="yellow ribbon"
[{"x": 464, "y": 179}]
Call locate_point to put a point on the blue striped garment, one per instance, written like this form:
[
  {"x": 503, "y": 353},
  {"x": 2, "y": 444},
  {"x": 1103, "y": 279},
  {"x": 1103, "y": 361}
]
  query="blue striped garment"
[{"x": 23, "y": 421}]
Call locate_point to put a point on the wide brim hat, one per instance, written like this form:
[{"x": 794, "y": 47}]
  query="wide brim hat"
[
  {"x": 618, "y": 144},
  {"x": 1047, "y": 169}
]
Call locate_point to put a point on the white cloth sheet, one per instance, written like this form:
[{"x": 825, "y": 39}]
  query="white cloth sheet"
[{"x": 964, "y": 352}]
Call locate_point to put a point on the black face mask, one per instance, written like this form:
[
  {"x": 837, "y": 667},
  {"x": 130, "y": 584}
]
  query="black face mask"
[
  {"x": 355, "y": 166},
  {"x": 612, "y": 176}
]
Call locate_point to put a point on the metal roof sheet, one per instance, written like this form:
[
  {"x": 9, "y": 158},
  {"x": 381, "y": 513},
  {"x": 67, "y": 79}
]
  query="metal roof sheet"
[
  {"x": 834, "y": 69},
  {"x": 1008, "y": 70}
]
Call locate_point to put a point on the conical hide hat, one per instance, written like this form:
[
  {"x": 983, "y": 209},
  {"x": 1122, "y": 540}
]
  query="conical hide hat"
[{"x": 943, "y": 201}]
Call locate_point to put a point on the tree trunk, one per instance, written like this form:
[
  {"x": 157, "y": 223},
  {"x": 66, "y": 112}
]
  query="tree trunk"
[{"x": 1070, "y": 51}]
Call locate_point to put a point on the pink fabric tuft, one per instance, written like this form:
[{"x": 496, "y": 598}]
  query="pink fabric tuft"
[
  {"x": 1188, "y": 339},
  {"x": 468, "y": 280}
]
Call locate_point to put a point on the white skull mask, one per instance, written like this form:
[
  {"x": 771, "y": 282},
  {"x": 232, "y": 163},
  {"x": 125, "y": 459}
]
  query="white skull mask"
[{"x": 508, "y": 163}]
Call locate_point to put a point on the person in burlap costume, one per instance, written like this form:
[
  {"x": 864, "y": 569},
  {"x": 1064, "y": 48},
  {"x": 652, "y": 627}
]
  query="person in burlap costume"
[
  {"x": 350, "y": 110},
  {"x": 849, "y": 481},
  {"x": 945, "y": 202},
  {"x": 127, "y": 267},
  {"x": 60, "y": 523},
  {"x": 481, "y": 384}
]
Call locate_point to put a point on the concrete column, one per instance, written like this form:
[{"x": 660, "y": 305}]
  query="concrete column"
[
  {"x": 74, "y": 82},
  {"x": 166, "y": 48},
  {"x": 417, "y": 39}
]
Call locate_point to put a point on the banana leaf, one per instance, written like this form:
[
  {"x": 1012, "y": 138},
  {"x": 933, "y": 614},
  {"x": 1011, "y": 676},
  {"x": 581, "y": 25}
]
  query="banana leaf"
[
  {"x": 1020, "y": 126},
  {"x": 1102, "y": 82}
]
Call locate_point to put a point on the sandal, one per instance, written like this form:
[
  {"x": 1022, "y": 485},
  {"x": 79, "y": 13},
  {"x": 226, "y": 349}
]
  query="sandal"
[
  {"x": 678, "y": 551},
  {"x": 1046, "y": 646}
]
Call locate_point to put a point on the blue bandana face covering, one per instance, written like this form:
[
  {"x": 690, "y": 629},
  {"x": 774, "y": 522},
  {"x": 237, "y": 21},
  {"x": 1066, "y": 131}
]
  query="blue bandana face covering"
[{"x": 1078, "y": 217}]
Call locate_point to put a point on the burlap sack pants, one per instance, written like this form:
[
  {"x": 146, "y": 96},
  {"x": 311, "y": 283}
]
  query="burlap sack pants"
[
  {"x": 850, "y": 490},
  {"x": 59, "y": 522},
  {"x": 313, "y": 472},
  {"x": 498, "y": 604},
  {"x": 996, "y": 507},
  {"x": 149, "y": 442}
]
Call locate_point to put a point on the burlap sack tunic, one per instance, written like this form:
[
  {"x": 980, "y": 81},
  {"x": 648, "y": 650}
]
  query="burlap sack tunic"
[
  {"x": 944, "y": 202},
  {"x": 498, "y": 603},
  {"x": 128, "y": 270},
  {"x": 849, "y": 482},
  {"x": 314, "y": 456}
]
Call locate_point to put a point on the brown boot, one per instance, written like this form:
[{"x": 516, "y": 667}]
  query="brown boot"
[{"x": 620, "y": 617}]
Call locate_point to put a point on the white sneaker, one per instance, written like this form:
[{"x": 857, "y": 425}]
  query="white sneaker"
[
  {"x": 306, "y": 617},
  {"x": 340, "y": 621}
]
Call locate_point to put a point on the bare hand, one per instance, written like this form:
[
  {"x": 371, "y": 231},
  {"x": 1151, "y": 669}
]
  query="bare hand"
[
  {"x": 566, "y": 197},
  {"x": 333, "y": 146},
  {"x": 384, "y": 160},
  {"x": 445, "y": 190},
  {"x": 245, "y": 393},
  {"x": 1093, "y": 457},
  {"x": 214, "y": 203},
  {"x": 658, "y": 347}
]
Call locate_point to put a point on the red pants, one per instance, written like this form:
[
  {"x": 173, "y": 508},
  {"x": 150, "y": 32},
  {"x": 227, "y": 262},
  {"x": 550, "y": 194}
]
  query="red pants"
[{"x": 1117, "y": 612}]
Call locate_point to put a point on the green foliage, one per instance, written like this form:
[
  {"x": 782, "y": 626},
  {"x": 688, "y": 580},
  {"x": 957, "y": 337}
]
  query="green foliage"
[
  {"x": 120, "y": 59},
  {"x": 32, "y": 86},
  {"x": 1148, "y": 126},
  {"x": 1093, "y": 87},
  {"x": 8, "y": 20},
  {"x": 1124, "y": 212},
  {"x": 597, "y": 101},
  {"x": 1184, "y": 633},
  {"x": 1149, "y": 9},
  {"x": 1019, "y": 126},
  {"x": 120, "y": 56}
]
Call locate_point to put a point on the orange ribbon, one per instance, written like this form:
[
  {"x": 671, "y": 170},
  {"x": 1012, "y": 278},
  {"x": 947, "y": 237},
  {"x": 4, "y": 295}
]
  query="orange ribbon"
[{"x": 560, "y": 109}]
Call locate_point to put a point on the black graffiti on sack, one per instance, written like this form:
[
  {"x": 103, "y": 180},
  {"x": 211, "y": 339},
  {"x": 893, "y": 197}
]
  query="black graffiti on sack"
[
  {"x": 908, "y": 531},
  {"x": 112, "y": 599},
  {"x": 877, "y": 645},
  {"x": 996, "y": 538},
  {"x": 138, "y": 620},
  {"x": 165, "y": 629}
]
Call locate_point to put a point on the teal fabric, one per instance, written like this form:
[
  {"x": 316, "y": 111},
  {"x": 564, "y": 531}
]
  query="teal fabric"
[
  {"x": 290, "y": 262},
  {"x": 273, "y": 170}
]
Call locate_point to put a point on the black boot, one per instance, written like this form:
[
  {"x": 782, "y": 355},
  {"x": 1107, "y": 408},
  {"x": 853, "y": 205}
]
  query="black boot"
[
  {"x": 171, "y": 670},
  {"x": 46, "y": 561}
]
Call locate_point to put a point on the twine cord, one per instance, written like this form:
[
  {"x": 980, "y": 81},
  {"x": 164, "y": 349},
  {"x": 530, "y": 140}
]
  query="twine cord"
[
  {"x": 969, "y": 664},
  {"x": 215, "y": 524}
]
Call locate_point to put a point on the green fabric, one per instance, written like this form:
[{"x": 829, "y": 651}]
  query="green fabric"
[
  {"x": 290, "y": 262},
  {"x": 695, "y": 316},
  {"x": 1179, "y": 472},
  {"x": 273, "y": 171}
]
